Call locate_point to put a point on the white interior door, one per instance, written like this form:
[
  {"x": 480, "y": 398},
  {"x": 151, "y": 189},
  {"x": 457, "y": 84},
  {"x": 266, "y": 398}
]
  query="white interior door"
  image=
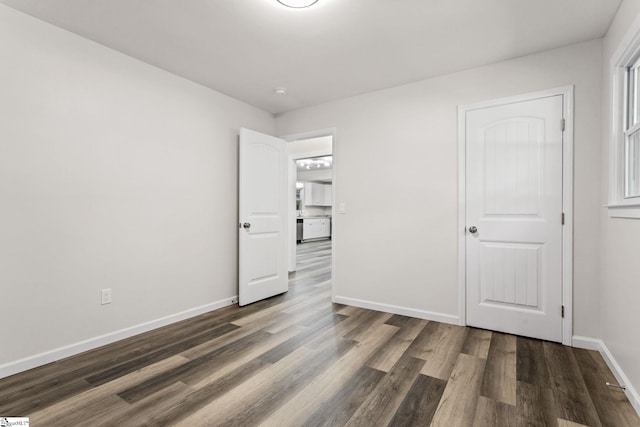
[
  {"x": 262, "y": 216},
  {"x": 514, "y": 217}
]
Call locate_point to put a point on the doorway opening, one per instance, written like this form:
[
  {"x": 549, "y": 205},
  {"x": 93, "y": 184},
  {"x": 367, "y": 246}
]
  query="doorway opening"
[{"x": 311, "y": 190}]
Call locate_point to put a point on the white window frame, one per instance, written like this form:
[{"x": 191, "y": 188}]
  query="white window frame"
[{"x": 628, "y": 54}]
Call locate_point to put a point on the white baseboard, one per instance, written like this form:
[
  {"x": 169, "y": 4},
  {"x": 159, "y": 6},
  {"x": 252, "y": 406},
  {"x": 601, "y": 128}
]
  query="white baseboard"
[
  {"x": 599, "y": 345},
  {"x": 34, "y": 361},
  {"x": 404, "y": 311}
]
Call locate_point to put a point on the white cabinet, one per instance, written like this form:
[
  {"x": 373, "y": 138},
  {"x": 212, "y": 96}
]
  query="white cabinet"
[
  {"x": 315, "y": 228},
  {"x": 325, "y": 227},
  {"x": 313, "y": 194},
  {"x": 328, "y": 195},
  {"x": 316, "y": 194}
]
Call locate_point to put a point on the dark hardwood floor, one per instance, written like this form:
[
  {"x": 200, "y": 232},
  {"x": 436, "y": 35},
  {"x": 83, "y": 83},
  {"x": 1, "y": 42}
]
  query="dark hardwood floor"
[{"x": 299, "y": 360}]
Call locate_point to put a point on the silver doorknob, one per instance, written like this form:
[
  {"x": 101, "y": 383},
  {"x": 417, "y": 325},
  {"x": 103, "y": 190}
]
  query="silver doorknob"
[
  {"x": 246, "y": 225},
  {"x": 473, "y": 229}
]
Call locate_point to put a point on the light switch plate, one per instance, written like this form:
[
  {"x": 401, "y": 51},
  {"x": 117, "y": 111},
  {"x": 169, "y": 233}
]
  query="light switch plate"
[{"x": 106, "y": 296}]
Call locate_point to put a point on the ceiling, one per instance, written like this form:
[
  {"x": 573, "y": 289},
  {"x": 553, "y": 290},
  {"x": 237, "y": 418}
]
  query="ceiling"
[{"x": 335, "y": 49}]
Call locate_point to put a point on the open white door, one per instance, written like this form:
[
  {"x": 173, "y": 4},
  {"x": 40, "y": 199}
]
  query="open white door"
[
  {"x": 514, "y": 183},
  {"x": 262, "y": 217}
]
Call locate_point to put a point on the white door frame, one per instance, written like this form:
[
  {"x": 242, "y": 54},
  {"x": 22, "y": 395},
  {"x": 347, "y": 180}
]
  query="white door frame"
[
  {"x": 317, "y": 134},
  {"x": 567, "y": 200}
]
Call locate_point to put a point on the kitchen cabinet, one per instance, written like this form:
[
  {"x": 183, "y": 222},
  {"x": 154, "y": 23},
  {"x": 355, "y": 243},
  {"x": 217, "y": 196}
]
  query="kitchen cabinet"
[
  {"x": 328, "y": 195},
  {"x": 316, "y": 194},
  {"x": 316, "y": 228}
]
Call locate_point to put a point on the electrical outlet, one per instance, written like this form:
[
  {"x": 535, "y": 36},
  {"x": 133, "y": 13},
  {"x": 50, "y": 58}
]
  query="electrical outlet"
[{"x": 106, "y": 296}]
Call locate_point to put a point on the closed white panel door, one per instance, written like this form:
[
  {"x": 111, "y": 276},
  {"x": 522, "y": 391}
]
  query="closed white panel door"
[
  {"x": 262, "y": 217},
  {"x": 514, "y": 218}
]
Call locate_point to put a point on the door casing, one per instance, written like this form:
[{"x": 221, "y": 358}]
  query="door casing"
[{"x": 567, "y": 200}]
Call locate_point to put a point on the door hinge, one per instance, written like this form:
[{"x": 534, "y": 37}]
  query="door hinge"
[
  {"x": 562, "y": 312},
  {"x": 562, "y": 218},
  {"x": 562, "y": 124}
]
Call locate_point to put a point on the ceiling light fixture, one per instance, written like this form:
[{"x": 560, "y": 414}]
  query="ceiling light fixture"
[
  {"x": 280, "y": 91},
  {"x": 314, "y": 163},
  {"x": 297, "y": 4}
]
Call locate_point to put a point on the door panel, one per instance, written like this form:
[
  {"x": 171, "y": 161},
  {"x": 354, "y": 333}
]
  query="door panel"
[
  {"x": 510, "y": 274},
  {"x": 514, "y": 198},
  {"x": 512, "y": 154},
  {"x": 262, "y": 206}
]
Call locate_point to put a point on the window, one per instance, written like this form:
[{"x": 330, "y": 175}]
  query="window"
[
  {"x": 632, "y": 133},
  {"x": 624, "y": 193}
]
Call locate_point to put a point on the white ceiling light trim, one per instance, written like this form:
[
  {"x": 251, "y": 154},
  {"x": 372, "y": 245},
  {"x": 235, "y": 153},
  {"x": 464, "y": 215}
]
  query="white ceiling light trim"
[{"x": 297, "y": 4}]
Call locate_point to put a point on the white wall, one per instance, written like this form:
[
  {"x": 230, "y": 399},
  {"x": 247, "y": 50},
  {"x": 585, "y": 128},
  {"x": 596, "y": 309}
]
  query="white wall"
[
  {"x": 314, "y": 147},
  {"x": 397, "y": 242},
  {"x": 315, "y": 175},
  {"x": 113, "y": 174},
  {"x": 620, "y": 237}
]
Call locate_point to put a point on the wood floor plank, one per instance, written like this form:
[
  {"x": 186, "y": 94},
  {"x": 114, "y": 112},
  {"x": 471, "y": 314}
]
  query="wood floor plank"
[
  {"x": 457, "y": 406},
  {"x": 499, "y": 381},
  {"x": 493, "y": 413},
  {"x": 299, "y": 317},
  {"x": 337, "y": 410},
  {"x": 361, "y": 330},
  {"x": 262, "y": 315},
  {"x": 535, "y": 406},
  {"x": 200, "y": 366},
  {"x": 198, "y": 398},
  {"x": 477, "y": 343},
  {"x": 145, "y": 411},
  {"x": 276, "y": 324},
  {"x": 573, "y": 402},
  {"x": 421, "y": 347},
  {"x": 74, "y": 410},
  {"x": 420, "y": 403},
  {"x": 306, "y": 303},
  {"x": 388, "y": 356},
  {"x": 93, "y": 411},
  {"x": 224, "y": 406},
  {"x": 531, "y": 366},
  {"x": 441, "y": 353},
  {"x": 26, "y": 403},
  {"x": 565, "y": 423},
  {"x": 336, "y": 377},
  {"x": 304, "y": 337},
  {"x": 252, "y": 402},
  {"x": 385, "y": 399},
  {"x": 247, "y": 356},
  {"x": 157, "y": 355},
  {"x": 348, "y": 310},
  {"x": 613, "y": 407}
]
